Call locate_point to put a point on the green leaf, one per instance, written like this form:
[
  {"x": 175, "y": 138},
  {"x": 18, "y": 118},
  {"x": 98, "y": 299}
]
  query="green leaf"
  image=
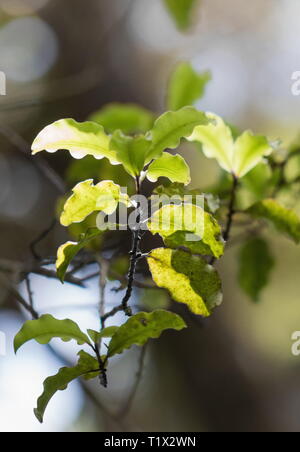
[
  {"x": 108, "y": 332},
  {"x": 131, "y": 151},
  {"x": 186, "y": 86},
  {"x": 171, "y": 127},
  {"x": 189, "y": 226},
  {"x": 141, "y": 327},
  {"x": 46, "y": 328},
  {"x": 255, "y": 265},
  {"x": 283, "y": 219},
  {"x": 237, "y": 157},
  {"x": 174, "y": 167},
  {"x": 248, "y": 152},
  {"x": 130, "y": 118},
  {"x": 189, "y": 279},
  {"x": 67, "y": 251},
  {"x": 79, "y": 138},
  {"x": 88, "y": 198},
  {"x": 181, "y": 11},
  {"x": 87, "y": 366}
]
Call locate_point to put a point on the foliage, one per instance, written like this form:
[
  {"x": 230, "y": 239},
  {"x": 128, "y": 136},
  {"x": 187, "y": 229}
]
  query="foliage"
[{"x": 133, "y": 147}]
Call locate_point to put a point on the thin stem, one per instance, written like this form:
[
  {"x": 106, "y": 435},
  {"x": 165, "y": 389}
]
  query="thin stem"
[
  {"x": 29, "y": 291},
  {"x": 231, "y": 210},
  {"x": 135, "y": 253},
  {"x": 230, "y": 214},
  {"x": 103, "y": 265}
]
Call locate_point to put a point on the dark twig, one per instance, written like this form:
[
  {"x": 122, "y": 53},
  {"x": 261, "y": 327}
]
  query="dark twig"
[
  {"x": 40, "y": 238},
  {"x": 52, "y": 275},
  {"x": 231, "y": 210},
  {"x": 29, "y": 290},
  {"x": 230, "y": 214}
]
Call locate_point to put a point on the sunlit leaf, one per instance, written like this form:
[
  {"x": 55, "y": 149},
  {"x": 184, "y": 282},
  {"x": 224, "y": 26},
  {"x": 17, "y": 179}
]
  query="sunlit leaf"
[
  {"x": 87, "y": 366},
  {"x": 186, "y": 86},
  {"x": 181, "y": 11},
  {"x": 131, "y": 151},
  {"x": 67, "y": 251},
  {"x": 235, "y": 156},
  {"x": 130, "y": 118},
  {"x": 189, "y": 279},
  {"x": 174, "y": 167},
  {"x": 255, "y": 265},
  {"x": 46, "y": 328},
  {"x": 171, "y": 127},
  {"x": 189, "y": 226},
  {"x": 285, "y": 220},
  {"x": 141, "y": 327},
  {"x": 217, "y": 141},
  {"x": 249, "y": 150},
  {"x": 79, "y": 138},
  {"x": 88, "y": 198}
]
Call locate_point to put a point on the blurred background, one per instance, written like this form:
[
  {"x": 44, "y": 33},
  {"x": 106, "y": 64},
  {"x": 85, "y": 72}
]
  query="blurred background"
[{"x": 236, "y": 371}]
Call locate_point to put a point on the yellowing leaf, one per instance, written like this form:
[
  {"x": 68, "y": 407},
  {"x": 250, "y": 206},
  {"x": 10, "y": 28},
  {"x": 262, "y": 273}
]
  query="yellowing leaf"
[
  {"x": 59, "y": 382},
  {"x": 189, "y": 279},
  {"x": 79, "y": 138},
  {"x": 130, "y": 118},
  {"x": 171, "y": 127},
  {"x": 88, "y": 198},
  {"x": 237, "y": 157},
  {"x": 283, "y": 219},
  {"x": 189, "y": 226},
  {"x": 186, "y": 86},
  {"x": 141, "y": 327},
  {"x": 131, "y": 151},
  {"x": 46, "y": 328},
  {"x": 174, "y": 167},
  {"x": 68, "y": 251}
]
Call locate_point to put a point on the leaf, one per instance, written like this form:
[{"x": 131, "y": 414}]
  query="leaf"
[
  {"x": 108, "y": 332},
  {"x": 141, "y": 327},
  {"x": 189, "y": 279},
  {"x": 186, "y": 86},
  {"x": 248, "y": 152},
  {"x": 174, "y": 167},
  {"x": 130, "y": 118},
  {"x": 67, "y": 251},
  {"x": 188, "y": 225},
  {"x": 237, "y": 157},
  {"x": 59, "y": 382},
  {"x": 283, "y": 219},
  {"x": 46, "y": 328},
  {"x": 131, "y": 151},
  {"x": 217, "y": 141},
  {"x": 255, "y": 265},
  {"x": 171, "y": 127},
  {"x": 79, "y": 138},
  {"x": 181, "y": 11},
  {"x": 88, "y": 198}
]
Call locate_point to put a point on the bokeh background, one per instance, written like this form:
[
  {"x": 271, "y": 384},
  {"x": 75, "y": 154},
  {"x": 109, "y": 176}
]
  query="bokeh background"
[{"x": 67, "y": 59}]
